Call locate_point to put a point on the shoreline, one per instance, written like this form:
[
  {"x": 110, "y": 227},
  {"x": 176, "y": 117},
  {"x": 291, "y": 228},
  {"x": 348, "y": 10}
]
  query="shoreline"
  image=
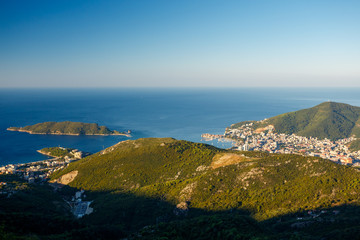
[
  {"x": 51, "y": 158},
  {"x": 30, "y": 163},
  {"x": 68, "y": 134},
  {"x": 46, "y": 154}
]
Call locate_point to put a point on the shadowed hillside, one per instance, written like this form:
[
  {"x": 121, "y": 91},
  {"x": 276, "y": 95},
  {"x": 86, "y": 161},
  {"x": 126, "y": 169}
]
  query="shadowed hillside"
[{"x": 37, "y": 212}]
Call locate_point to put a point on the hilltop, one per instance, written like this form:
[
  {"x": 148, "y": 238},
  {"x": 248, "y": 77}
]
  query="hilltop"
[
  {"x": 149, "y": 181},
  {"x": 137, "y": 163},
  {"x": 67, "y": 128},
  {"x": 327, "y": 120}
]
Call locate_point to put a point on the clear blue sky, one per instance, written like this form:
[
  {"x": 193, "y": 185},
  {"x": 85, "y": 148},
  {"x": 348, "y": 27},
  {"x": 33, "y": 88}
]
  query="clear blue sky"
[{"x": 179, "y": 43}]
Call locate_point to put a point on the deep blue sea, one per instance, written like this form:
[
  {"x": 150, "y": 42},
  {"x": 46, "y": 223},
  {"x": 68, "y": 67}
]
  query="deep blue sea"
[{"x": 178, "y": 113}]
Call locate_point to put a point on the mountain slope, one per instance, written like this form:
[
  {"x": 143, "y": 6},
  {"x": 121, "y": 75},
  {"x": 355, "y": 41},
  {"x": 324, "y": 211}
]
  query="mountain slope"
[
  {"x": 197, "y": 177},
  {"x": 354, "y": 145},
  {"x": 133, "y": 164},
  {"x": 327, "y": 120}
]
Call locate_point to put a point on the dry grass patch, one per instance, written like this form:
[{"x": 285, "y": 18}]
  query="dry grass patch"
[
  {"x": 225, "y": 159},
  {"x": 259, "y": 130}
]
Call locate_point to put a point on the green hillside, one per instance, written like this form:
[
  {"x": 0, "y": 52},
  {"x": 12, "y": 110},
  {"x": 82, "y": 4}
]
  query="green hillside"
[
  {"x": 67, "y": 127},
  {"x": 354, "y": 145},
  {"x": 149, "y": 181},
  {"x": 134, "y": 164},
  {"x": 327, "y": 120},
  {"x": 56, "y": 151}
]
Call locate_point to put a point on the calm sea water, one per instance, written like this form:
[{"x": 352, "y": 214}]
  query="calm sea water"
[{"x": 178, "y": 113}]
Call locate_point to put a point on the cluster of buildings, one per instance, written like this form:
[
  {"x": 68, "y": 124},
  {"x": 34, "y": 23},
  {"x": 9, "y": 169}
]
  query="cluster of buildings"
[
  {"x": 79, "y": 207},
  {"x": 41, "y": 170},
  {"x": 35, "y": 172},
  {"x": 38, "y": 172},
  {"x": 265, "y": 139},
  {"x": 313, "y": 216}
]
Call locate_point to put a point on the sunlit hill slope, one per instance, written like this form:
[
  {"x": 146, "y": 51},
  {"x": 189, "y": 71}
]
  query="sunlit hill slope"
[{"x": 327, "y": 120}]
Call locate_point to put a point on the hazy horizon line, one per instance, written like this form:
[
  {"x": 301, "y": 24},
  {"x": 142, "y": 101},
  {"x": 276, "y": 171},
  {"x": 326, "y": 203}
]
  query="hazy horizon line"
[{"x": 183, "y": 87}]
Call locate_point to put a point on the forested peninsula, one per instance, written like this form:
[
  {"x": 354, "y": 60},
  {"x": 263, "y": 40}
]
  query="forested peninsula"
[{"x": 68, "y": 128}]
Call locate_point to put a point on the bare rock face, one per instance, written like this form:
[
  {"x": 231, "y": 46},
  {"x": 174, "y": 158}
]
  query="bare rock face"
[
  {"x": 181, "y": 209},
  {"x": 67, "y": 178},
  {"x": 182, "y": 206},
  {"x": 186, "y": 193}
]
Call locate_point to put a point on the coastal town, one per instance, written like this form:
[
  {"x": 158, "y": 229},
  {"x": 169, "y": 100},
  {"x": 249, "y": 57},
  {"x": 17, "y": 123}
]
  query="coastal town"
[
  {"x": 39, "y": 173},
  {"x": 246, "y": 138}
]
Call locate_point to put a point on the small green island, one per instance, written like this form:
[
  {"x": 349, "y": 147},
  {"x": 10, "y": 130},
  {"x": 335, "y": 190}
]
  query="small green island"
[
  {"x": 55, "y": 151},
  {"x": 61, "y": 152},
  {"x": 68, "y": 128}
]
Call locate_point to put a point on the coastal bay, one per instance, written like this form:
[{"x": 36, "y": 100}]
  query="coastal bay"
[{"x": 181, "y": 114}]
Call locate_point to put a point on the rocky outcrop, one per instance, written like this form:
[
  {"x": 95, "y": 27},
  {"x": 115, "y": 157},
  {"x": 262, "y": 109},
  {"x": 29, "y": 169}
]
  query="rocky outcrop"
[{"x": 67, "y": 178}]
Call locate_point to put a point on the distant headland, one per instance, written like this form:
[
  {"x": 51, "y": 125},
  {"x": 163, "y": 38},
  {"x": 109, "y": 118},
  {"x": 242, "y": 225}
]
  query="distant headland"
[
  {"x": 68, "y": 128},
  {"x": 329, "y": 120},
  {"x": 329, "y": 130}
]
